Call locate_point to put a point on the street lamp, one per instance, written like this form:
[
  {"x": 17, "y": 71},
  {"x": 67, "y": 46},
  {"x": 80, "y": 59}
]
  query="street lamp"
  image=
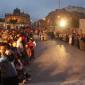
[
  {"x": 63, "y": 23},
  {"x": 59, "y": 4}
]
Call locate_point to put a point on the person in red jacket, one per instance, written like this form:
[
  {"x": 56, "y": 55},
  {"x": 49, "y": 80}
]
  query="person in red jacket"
[{"x": 30, "y": 46}]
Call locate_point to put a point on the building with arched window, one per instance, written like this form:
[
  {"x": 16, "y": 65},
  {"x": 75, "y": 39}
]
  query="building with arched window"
[{"x": 17, "y": 19}]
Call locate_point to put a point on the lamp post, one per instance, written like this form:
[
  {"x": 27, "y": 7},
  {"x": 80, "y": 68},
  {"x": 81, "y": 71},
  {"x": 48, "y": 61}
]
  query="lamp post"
[{"x": 59, "y": 4}]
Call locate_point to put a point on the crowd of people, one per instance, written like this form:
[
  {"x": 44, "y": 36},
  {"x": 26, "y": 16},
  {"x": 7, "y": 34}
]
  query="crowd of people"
[
  {"x": 16, "y": 52},
  {"x": 74, "y": 39}
]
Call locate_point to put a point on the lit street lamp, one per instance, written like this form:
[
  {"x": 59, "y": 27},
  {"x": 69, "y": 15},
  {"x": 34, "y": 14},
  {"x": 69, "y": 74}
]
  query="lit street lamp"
[{"x": 63, "y": 23}]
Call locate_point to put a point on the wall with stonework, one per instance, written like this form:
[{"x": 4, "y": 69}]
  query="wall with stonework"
[{"x": 82, "y": 25}]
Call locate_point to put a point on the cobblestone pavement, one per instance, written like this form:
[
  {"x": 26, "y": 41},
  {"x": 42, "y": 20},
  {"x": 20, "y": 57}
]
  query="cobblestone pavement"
[{"x": 56, "y": 61}]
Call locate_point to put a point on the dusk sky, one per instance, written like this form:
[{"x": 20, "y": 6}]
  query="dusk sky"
[{"x": 36, "y": 8}]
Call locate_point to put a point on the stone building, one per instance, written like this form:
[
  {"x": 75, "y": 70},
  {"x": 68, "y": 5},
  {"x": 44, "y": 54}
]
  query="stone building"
[
  {"x": 2, "y": 22},
  {"x": 82, "y": 26},
  {"x": 17, "y": 19}
]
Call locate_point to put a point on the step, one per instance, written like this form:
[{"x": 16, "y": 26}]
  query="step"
[{"x": 76, "y": 82}]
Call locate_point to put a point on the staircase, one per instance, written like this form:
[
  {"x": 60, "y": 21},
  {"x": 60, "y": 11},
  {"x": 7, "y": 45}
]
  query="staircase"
[{"x": 76, "y": 82}]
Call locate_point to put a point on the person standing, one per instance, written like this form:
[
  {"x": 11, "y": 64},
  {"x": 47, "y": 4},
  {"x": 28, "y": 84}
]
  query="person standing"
[{"x": 70, "y": 39}]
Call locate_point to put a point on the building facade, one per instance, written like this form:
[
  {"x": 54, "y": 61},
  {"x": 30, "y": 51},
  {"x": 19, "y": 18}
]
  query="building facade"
[
  {"x": 17, "y": 19},
  {"x": 82, "y": 26},
  {"x": 2, "y": 23}
]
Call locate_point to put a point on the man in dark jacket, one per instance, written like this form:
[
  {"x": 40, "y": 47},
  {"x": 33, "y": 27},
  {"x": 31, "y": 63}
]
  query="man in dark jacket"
[{"x": 8, "y": 71}]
